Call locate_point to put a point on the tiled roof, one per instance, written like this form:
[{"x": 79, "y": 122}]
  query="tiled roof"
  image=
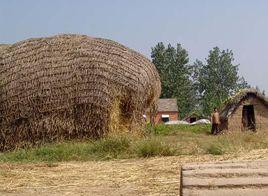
[{"x": 167, "y": 105}]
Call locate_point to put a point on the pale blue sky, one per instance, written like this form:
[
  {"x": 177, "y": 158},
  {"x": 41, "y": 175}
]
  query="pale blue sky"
[{"x": 199, "y": 25}]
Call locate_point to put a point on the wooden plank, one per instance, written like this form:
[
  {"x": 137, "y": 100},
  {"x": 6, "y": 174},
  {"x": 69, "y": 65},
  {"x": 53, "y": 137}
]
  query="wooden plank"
[
  {"x": 225, "y": 178},
  {"x": 223, "y": 165},
  {"x": 226, "y": 172},
  {"x": 227, "y": 192},
  {"x": 224, "y": 182}
]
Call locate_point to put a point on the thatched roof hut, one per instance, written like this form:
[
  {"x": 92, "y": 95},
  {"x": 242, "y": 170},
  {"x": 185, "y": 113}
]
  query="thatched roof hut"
[
  {"x": 71, "y": 86},
  {"x": 193, "y": 116},
  {"x": 247, "y": 110}
]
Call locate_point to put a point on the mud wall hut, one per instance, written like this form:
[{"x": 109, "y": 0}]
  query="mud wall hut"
[
  {"x": 247, "y": 110},
  {"x": 71, "y": 86},
  {"x": 192, "y": 117}
]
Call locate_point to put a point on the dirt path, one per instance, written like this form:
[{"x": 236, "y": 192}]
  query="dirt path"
[{"x": 154, "y": 176}]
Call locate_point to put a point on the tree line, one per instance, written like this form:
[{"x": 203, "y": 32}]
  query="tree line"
[{"x": 199, "y": 86}]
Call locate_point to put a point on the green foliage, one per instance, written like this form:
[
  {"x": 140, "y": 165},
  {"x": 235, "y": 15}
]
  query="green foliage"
[
  {"x": 217, "y": 79},
  {"x": 175, "y": 72},
  {"x": 153, "y": 147},
  {"x": 163, "y": 129},
  {"x": 199, "y": 87}
]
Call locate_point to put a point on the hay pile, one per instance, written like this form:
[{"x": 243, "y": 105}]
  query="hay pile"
[
  {"x": 3, "y": 46},
  {"x": 71, "y": 86}
]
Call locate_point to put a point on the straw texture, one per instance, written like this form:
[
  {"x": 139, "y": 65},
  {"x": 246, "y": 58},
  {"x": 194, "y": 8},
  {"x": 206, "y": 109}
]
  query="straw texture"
[
  {"x": 66, "y": 86},
  {"x": 3, "y": 46}
]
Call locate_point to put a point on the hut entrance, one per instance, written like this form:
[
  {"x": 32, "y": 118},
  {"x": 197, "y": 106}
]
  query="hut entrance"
[
  {"x": 248, "y": 117},
  {"x": 192, "y": 119}
]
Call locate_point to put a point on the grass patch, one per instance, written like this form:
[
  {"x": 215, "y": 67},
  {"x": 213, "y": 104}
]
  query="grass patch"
[
  {"x": 153, "y": 147},
  {"x": 111, "y": 147},
  {"x": 163, "y": 140},
  {"x": 48, "y": 153},
  {"x": 103, "y": 149},
  {"x": 215, "y": 149},
  {"x": 163, "y": 129}
]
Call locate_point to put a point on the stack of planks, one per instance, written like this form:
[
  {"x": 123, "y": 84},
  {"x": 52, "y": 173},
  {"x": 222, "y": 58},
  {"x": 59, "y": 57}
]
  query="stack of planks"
[{"x": 225, "y": 178}]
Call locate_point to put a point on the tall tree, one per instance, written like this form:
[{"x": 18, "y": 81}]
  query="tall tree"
[
  {"x": 175, "y": 73},
  {"x": 218, "y": 79}
]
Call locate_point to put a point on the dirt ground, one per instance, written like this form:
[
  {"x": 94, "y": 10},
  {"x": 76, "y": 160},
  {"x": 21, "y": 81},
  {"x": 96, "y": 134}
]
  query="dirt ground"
[{"x": 153, "y": 176}]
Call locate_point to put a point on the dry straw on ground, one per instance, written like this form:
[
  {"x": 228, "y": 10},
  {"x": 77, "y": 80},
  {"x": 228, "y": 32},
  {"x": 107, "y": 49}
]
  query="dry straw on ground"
[
  {"x": 152, "y": 176},
  {"x": 66, "y": 86}
]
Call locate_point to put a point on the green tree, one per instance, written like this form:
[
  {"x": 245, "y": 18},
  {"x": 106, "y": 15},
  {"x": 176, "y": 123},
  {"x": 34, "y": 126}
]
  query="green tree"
[
  {"x": 217, "y": 79},
  {"x": 175, "y": 73}
]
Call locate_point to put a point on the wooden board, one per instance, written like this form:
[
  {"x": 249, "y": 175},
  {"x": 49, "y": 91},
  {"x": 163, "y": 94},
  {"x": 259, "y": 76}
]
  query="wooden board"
[{"x": 225, "y": 178}]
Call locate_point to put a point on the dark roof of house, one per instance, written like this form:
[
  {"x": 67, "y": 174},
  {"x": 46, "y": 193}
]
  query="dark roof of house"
[
  {"x": 231, "y": 104},
  {"x": 167, "y": 105}
]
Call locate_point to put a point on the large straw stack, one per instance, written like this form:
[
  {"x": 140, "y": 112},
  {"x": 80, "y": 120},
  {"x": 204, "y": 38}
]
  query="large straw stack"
[
  {"x": 70, "y": 86},
  {"x": 3, "y": 46}
]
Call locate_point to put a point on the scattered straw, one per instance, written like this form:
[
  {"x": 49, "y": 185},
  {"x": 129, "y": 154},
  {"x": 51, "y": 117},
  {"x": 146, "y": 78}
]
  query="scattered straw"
[{"x": 153, "y": 176}]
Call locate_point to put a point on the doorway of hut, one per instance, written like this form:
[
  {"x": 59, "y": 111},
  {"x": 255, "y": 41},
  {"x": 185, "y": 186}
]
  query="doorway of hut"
[
  {"x": 192, "y": 119},
  {"x": 248, "y": 117}
]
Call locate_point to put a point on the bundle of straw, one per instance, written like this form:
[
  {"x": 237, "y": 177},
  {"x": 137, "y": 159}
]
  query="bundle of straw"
[{"x": 71, "y": 86}]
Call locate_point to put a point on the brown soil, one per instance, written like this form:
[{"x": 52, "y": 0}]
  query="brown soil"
[{"x": 153, "y": 176}]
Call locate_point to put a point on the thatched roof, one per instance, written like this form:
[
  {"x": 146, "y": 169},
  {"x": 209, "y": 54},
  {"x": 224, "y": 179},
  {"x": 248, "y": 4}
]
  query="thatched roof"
[
  {"x": 68, "y": 86},
  {"x": 233, "y": 102},
  {"x": 193, "y": 114},
  {"x": 167, "y": 105}
]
